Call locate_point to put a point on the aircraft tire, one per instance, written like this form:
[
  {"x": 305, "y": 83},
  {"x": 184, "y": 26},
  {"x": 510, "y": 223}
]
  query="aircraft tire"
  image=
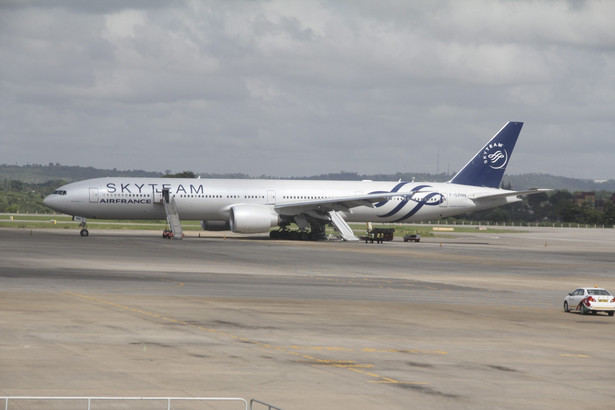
[{"x": 84, "y": 232}]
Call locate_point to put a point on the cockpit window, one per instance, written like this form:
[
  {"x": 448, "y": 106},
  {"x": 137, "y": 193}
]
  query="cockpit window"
[{"x": 59, "y": 192}]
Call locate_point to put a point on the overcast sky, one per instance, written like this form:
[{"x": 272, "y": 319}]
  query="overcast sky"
[{"x": 298, "y": 88}]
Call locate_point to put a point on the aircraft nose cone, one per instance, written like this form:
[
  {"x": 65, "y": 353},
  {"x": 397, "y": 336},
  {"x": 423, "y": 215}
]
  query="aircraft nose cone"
[{"x": 50, "y": 201}]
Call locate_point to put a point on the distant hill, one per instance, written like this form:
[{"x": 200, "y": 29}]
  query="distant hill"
[
  {"x": 527, "y": 181},
  {"x": 37, "y": 174},
  {"x": 43, "y": 173}
]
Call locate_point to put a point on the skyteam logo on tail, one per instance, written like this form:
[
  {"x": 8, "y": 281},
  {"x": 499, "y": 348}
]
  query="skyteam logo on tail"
[{"x": 495, "y": 155}]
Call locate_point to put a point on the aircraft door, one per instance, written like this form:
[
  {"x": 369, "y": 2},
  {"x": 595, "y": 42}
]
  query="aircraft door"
[
  {"x": 271, "y": 197},
  {"x": 443, "y": 202},
  {"x": 165, "y": 195},
  {"x": 156, "y": 195},
  {"x": 94, "y": 195}
]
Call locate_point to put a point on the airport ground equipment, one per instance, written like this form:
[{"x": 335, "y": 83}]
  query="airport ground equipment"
[
  {"x": 412, "y": 237},
  {"x": 379, "y": 235},
  {"x": 170, "y": 208},
  {"x": 342, "y": 227}
]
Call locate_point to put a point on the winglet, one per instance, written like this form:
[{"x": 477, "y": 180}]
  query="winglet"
[{"x": 488, "y": 165}]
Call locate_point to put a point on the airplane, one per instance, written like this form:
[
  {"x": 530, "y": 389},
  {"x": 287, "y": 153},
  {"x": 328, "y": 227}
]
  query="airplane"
[{"x": 258, "y": 205}]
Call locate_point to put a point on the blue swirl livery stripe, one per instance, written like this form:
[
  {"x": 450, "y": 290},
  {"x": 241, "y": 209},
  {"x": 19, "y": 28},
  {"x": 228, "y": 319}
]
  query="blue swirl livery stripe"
[
  {"x": 395, "y": 189},
  {"x": 407, "y": 197},
  {"x": 396, "y": 209},
  {"x": 419, "y": 205}
]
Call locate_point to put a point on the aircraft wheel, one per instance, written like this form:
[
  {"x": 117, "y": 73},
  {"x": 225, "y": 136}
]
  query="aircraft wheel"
[{"x": 84, "y": 232}]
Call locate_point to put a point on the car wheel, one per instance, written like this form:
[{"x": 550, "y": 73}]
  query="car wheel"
[
  {"x": 566, "y": 308},
  {"x": 611, "y": 313}
]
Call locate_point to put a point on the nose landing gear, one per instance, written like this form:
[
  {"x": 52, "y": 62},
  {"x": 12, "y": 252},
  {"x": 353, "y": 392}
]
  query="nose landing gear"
[{"x": 82, "y": 224}]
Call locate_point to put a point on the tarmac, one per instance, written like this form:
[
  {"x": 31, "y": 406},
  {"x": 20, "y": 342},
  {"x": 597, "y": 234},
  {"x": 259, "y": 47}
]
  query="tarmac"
[{"x": 462, "y": 320}]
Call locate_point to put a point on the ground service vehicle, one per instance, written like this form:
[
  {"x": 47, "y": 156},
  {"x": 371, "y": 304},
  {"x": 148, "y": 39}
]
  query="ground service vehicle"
[
  {"x": 379, "y": 235},
  {"x": 593, "y": 300},
  {"x": 414, "y": 237}
]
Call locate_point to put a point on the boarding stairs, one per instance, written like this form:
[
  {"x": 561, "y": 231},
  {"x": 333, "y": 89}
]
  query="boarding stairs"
[
  {"x": 342, "y": 227},
  {"x": 170, "y": 208}
]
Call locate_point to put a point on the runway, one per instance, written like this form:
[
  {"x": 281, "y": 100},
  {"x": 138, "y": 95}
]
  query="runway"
[{"x": 458, "y": 321}]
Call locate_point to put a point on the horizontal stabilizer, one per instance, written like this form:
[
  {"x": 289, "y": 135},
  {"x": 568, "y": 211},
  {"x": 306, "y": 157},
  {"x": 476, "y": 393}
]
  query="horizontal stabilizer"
[{"x": 508, "y": 194}]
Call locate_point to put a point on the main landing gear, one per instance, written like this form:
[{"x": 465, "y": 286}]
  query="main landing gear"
[
  {"x": 316, "y": 232},
  {"x": 293, "y": 235}
]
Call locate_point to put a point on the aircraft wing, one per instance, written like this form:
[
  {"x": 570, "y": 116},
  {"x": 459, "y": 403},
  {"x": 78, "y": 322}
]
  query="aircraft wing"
[
  {"x": 343, "y": 204},
  {"x": 507, "y": 194}
]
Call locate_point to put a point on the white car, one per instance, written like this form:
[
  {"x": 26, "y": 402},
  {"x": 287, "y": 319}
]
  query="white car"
[{"x": 592, "y": 300}]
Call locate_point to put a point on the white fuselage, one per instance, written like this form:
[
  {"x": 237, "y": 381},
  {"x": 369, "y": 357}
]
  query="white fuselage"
[{"x": 212, "y": 199}]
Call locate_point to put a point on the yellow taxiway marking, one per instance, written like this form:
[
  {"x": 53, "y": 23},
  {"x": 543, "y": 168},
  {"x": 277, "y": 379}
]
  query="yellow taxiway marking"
[
  {"x": 342, "y": 364},
  {"x": 573, "y": 355},
  {"x": 365, "y": 350}
]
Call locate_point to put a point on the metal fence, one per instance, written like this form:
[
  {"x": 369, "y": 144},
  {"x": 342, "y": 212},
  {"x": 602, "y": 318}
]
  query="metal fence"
[
  {"x": 88, "y": 402},
  {"x": 269, "y": 406}
]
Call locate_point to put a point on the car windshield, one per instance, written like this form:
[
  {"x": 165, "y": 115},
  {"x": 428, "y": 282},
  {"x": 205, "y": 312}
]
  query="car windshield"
[{"x": 598, "y": 292}]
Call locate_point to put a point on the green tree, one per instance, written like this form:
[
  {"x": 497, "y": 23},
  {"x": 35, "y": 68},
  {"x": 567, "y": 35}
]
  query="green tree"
[
  {"x": 608, "y": 215},
  {"x": 183, "y": 174},
  {"x": 498, "y": 215}
]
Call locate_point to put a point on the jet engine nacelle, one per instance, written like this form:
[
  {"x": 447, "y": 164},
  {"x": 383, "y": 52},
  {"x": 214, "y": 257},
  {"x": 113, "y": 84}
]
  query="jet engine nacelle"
[
  {"x": 215, "y": 226},
  {"x": 252, "y": 218}
]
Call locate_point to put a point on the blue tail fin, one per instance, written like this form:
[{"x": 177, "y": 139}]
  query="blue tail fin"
[{"x": 488, "y": 165}]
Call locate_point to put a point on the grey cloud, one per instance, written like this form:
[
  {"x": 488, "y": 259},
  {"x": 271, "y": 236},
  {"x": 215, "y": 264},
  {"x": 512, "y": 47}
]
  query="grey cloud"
[{"x": 297, "y": 88}]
